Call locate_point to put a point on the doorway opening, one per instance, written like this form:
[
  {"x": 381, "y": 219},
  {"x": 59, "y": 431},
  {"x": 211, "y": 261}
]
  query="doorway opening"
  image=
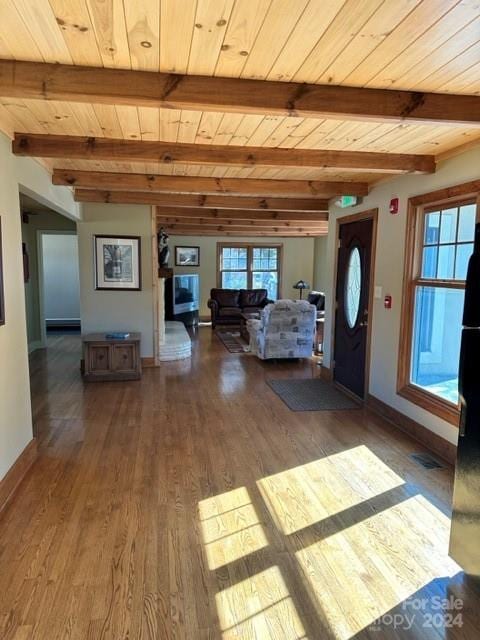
[
  {"x": 51, "y": 273},
  {"x": 356, "y": 236}
]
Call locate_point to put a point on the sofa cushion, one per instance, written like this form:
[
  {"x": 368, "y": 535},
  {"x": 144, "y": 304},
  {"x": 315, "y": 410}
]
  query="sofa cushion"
[
  {"x": 226, "y": 297},
  {"x": 229, "y": 311},
  {"x": 253, "y": 297}
]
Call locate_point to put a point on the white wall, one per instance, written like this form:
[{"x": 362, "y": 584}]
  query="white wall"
[
  {"x": 297, "y": 262},
  {"x": 321, "y": 272},
  {"x": 389, "y": 275},
  {"x": 40, "y": 221},
  {"x": 15, "y": 408},
  {"x": 61, "y": 283},
  {"x": 116, "y": 310}
]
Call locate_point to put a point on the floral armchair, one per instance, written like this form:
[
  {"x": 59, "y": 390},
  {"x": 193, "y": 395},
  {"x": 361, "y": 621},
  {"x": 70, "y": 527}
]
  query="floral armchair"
[{"x": 285, "y": 330}]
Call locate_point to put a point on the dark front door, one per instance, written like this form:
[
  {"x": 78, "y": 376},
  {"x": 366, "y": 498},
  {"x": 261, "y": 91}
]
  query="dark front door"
[{"x": 353, "y": 294}]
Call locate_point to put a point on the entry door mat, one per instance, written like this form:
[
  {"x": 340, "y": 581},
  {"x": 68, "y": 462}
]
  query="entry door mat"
[
  {"x": 311, "y": 394},
  {"x": 232, "y": 341}
]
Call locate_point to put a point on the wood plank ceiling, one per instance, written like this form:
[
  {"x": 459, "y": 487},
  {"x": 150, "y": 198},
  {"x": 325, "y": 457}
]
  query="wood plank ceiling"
[{"x": 411, "y": 45}]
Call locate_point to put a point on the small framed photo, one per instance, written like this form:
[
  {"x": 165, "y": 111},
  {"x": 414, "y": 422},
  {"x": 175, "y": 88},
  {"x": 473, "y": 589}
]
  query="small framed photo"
[
  {"x": 187, "y": 256},
  {"x": 118, "y": 263},
  {"x": 2, "y": 296}
]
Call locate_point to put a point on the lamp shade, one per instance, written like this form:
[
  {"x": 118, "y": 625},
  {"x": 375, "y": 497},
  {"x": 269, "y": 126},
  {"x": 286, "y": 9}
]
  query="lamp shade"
[{"x": 301, "y": 284}]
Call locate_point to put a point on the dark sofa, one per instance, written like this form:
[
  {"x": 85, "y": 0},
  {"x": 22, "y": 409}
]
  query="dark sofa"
[{"x": 227, "y": 305}]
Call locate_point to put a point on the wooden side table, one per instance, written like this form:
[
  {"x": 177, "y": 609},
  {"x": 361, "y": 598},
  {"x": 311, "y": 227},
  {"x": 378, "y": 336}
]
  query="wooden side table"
[{"x": 111, "y": 359}]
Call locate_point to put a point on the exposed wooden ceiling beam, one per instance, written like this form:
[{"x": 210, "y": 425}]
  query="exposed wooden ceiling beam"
[
  {"x": 202, "y": 202},
  {"x": 221, "y": 230},
  {"x": 45, "y": 81},
  {"x": 215, "y": 222},
  {"x": 239, "y": 214},
  {"x": 187, "y": 184},
  {"x": 85, "y": 148}
]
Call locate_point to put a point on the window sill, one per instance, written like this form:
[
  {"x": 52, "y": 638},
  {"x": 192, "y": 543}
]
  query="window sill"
[{"x": 432, "y": 403}]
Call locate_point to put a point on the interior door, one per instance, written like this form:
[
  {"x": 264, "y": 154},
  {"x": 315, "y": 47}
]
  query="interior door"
[{"x": 352, "y": 312}]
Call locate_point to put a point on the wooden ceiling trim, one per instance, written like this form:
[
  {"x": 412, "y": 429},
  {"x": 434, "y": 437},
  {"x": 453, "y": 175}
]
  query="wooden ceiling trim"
[
  {"x": 313, "y": 217},
  {"x": 203, "y": 203},
  {"x": 259, "y": 39},
  {"x": 183, "y": 184},
  {"x": 88, "y": 148},
  {"x": 267, "y": 224},
  {"x": 247, "y": 215},
  {"x": 242, "y": 230},
  {"x": 244, "y": 234},
  {"x": 140, "y": 88},
  {"x": 59, "y": 118}
]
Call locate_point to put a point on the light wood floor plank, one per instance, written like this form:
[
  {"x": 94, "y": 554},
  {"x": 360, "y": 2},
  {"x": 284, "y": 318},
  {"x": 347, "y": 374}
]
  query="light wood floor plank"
[{"x": 194, "y": 504}]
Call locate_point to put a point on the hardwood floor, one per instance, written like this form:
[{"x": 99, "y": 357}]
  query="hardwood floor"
[{"x": 194, "y": 504}]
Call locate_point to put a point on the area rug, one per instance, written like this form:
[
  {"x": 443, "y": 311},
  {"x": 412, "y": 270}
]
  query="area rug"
[
  {"x": 233, "y": 341},
  {"x": 311, "y": 394}
]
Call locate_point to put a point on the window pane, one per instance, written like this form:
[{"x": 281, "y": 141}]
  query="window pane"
[
  {"x": 353, "y": 287},
  {"x": 227, "y": 263},
  {"x": 226, "y": 252},
  {"x": 446, "y": 262},
  {"x": 234, "y": 280},
  {"x": 266, "y": 280},
  {"x": 432, "y": 228},
  {"x": 429, "y": 266},
  {"x": 464, "y": 251},
  {"x": 466, "y": 223},
  {"x": 242, "y": 259},
  {"x": 436, "y": 340},
  {"x": 448, "y": 226}
]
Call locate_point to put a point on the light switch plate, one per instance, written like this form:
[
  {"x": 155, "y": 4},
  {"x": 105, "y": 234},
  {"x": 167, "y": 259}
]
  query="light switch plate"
[{"x": 378, "y": 293}]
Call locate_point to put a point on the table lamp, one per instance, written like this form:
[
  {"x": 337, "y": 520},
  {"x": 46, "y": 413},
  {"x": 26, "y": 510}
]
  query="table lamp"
[{"x": 301, "y": 285}]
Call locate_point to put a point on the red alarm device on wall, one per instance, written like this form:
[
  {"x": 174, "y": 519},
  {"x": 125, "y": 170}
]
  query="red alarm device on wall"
[
  {"x": 393, "y": 205},
  {"x": 387, "y": 303}
]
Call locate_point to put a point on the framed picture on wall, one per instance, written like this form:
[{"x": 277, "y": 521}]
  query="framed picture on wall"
[
  {"x": 2, "y": 296},
  {"x": 187, "y": 256},
  {"x": 117, "y": 263}
]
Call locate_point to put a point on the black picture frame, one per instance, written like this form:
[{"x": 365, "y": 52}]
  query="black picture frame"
[
  {"x": 108, "y": 282},
  {"x": 179, "y": 262},
  {"x": 2, "y": 290}
]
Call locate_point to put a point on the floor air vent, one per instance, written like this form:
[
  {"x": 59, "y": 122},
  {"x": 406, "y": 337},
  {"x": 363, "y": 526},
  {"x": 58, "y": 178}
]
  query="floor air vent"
[{"x": 426, "y": 460}]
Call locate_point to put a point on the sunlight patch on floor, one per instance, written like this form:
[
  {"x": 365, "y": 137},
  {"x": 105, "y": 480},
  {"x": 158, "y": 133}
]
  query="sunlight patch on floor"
[
  {"x": 230, "y": 527},
  {"x": 305, "y": 495},
  {"x": 259, "y": 607},
  {"x": 373, "y": 566}
]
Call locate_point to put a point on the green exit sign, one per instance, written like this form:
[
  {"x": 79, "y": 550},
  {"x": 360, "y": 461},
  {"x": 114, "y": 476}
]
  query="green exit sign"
[{"x": 347, "y": 201}]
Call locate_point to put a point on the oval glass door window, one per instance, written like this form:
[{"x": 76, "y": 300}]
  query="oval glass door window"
[{"x": 353, "y": 287}]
